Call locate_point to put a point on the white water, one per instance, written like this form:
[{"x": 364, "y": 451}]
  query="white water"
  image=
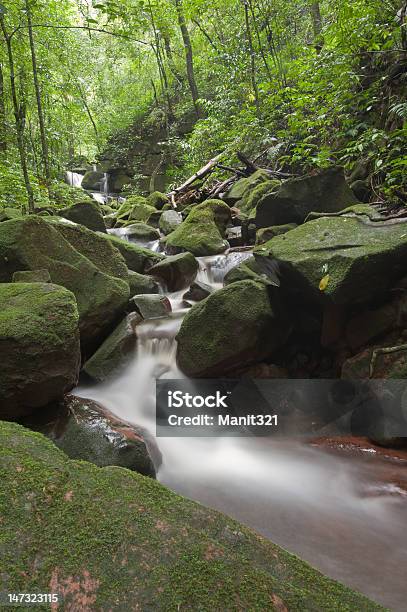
[
  {"x": 330, "y": 511},
  {"x": 74, "y": 179}
]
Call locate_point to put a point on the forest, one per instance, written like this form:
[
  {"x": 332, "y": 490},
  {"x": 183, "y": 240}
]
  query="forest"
[{"x": 203, "y": 305}]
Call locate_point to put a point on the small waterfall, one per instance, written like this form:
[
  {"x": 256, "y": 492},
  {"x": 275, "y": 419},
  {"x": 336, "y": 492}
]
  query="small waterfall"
[
  {"x": 74, "y": 179},
  {"x": 213, "y": 269},
  {"x": 104, "y": 187}
]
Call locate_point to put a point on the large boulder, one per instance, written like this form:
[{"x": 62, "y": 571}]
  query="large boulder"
[
  {"x": 92, "y": 180},
  {"x": 325, "y": 192},
  {"x": 169, "y": 221},
  {"x": 115, "y": 351},
  {"x": 345, "y": 258},
  {"x": 234, "y": 326},
  {"x": 139, "y": 209},
  {"x": 138, "y": 258},
  {"x": 177, "y": 272},
  {"x": 39, "y": 346},
  {"x": 87, "y": 431},
  {"x": 267, "y": 233},
  {"x": 86, "y": 213},
  {"x": 244, "y": 186},
  {"x": 203, "y": 231},
  {"x": 33, "y": 243},
  {"x": 157, "y": 199},
  {"x": 142, "y": 283},
  {"x": 141, "y": 232}
]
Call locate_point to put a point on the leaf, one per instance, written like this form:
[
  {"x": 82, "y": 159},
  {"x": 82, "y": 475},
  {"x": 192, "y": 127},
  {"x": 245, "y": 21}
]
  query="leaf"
[{"x": 323, "y": 284}]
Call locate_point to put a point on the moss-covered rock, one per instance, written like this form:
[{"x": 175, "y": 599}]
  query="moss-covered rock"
[
  {"x": 115, "y": 350},
  {"x": 120, "y": 541},
  {"x": 33, "y": 243},
  {"x": 157, "y": 199},
  {"x": 203, "y": 231},
  {"x": 247, "y": 205},
  {"x": 86, "y": 431},
  {"x": 138, "y": 258},
  {"x": 177, "y": 272},
  {"x": 139, "y": 209},
  {"x": 342, "y": 258},
  {"x": 151, "y": 306},
  {"x": 247, "y": 270},
  {"x": 296, "y": 198},
  {"x": 169, "y": 221},
  {"x": 244, "y": 186},
  {"x": 39, "y": 346},
  {"x": 31, "y": 276},
  {"x": 86, "y": 213},
  {"x": 141, "y": 232},
  {"x": 233, "y": 326},
  {"x": 8, "y": 213},
  {"x": 92, "y": 180},
  {"x": 64, "y": 195},
  {"x": 267, "y": 233},
  {"x": 142, "y": 283}
]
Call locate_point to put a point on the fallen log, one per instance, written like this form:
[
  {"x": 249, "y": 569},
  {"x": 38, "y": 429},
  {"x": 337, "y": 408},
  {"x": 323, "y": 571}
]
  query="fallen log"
[{"x": 201, "y": 173}]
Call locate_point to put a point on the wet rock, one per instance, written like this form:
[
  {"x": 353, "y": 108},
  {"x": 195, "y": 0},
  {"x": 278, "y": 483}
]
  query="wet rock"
[
  {"x": 39, "y": 346},
  {"x": 387, "y": 364},
  {"x": 296, "y": 198},
  {"x": 177, "y": 271},
  {"x": 244, "y": 185},
  {"x": 142, "y": 232},
  {"x": 151, "y": 306},
  {"x": 33, "y": 243},
  {"x": 154, "y": 218},
  {"x": 247, "y": 270},
  {"x": 115, "y": 351},
  {"x": 234, "y": 326},
  {"x": 142, "y": 283},
  {"x": 169, "y": 221},
  {"x": 92, "y": 179},
  {"x": 157, "y": 199},
  {"x": 86, "y": 431},
  {"x": 31, "y": 276},
  {"x": 345, "y": 259},
  {"x": 369, "y": 324},
  {"x": 86, "y": 213},
  {"x": 138, "y": 258},
  {"x": 267, "y": 233},
  {"x": 109, "y": 536},
  {"x": 248, "y": 204},
  {"x": 203, "y": 231},
  {"x": 198, "y": 292}
]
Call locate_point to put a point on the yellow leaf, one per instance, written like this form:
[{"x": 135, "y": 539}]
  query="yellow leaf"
[{"x": 323, "y": 284}]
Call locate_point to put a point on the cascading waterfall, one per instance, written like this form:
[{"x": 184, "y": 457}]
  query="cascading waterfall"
[
  {"x": 74, "y": 179},
  {"x": 331, "y": 511}
]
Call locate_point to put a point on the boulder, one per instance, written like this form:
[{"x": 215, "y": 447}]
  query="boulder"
[
  {"x": 92, "y": 179},
  {"x": 234, "y": 326},
  {"x": 115, "y": 350},
  {"x": 347, "y": 259},
  {"x": 33, "y": 243},
  {"x": 139, "y": 209},
  {"x": 245, "y": 185},
  {"x": 142, "y": 283},
  {"x": 137, "y": 258},
  {"x": 387, "y": 364},
  {"x": 151, "y": 306},
  {"x": 177, "y": 271},
  {"x": 267, "y": 233},
  {"x": 141, "y": 232},
  {"x": 198, "y": 291},
  {"x": 169, "y": 221},
  {"x": 247, "y": 205},
  {"x": 203, "y": 231},
  {"x": 87, "y": 213},
  {"x": 8, "y": 213},
  {"x": 369, "y": 324},
  {"x": 157, "y": 199},
  {"x": 247, "y": 270},
  {"x": 39, "y": 346},
  {"x": 111, "y": 539},
  {"x": 325, "y": 192},
  {"x": 154, "y": 218},
  {"x": 31, "y": 276},
  {"x": 86, "y": 431}
]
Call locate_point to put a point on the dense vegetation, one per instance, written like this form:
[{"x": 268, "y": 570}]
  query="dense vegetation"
[{"x": 308, "y": 83}]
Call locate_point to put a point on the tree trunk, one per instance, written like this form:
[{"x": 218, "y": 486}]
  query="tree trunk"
[
  {"x": 189, "y": 58},
  {"x": 252, "y": 56},
  {"x": 19, "y": 114},
  {"x": 43, "y": 136},
  {"x": 3, "y": 140},
  {"x": 317, "y": 26}
]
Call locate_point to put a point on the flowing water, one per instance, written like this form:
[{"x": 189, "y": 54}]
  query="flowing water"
[
  {"x": 74, "y": 179},
  {"x": 331, "y": 511}
]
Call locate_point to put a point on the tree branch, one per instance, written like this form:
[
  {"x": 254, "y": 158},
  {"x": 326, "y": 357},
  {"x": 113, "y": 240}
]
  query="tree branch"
[{"x": 87, "y": 28}]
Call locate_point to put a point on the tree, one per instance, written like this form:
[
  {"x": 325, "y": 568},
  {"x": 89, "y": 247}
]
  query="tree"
[
  {"x": 3, "y": 140},
  {"x": 317, "y": 25},
  {"x": 189, "y": 57}
]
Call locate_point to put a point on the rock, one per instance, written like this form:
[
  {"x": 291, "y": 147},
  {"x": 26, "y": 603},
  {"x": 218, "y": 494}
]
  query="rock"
[
  {"x": 244, "y": 185},
  {"x": 247, "y": 270},
  {"x": 33, "y": 243},
  {"x": 354, "y": 260},
  {"x": 234, "y": 326},
  {"x": 157, "y": 200},
  {"x": 31, "y": 276},
  {"x": 92, "y": 179},
  {"x": 203, "y": 231},
  {"x": 198, "y": 292},
  {"x": 386, "y": 365},
  {"x": 88, "y": 214},
  {"x": 265, "y": 371},
  {"x": 86, "y": 431},
  {"x": 368, "y": 325},
  {"x": 137, "y": 258},
  {"x": 39, "y": 346},
  {"x": 142, "y": 283},
  {"x": 139, "y": 209},
  {"x": 115, "y": 350},
  {"x": 361, "y": 190},
  {"x": 151, "y": 306},
  {"x": 116, "y": 540},
  {"x": 325, "y": 192},
  {"x": 141, "y": 232},
  {"x": 247, "y": 205},
  {"x": 267, "y": 233},
  {"x": 169, "y": 221},
  {"x": 154, "y": 218},
  {"x": 177, "y": 271},
  {"x": 118, "y": 181},
  {"x": 8, "y": 213}
]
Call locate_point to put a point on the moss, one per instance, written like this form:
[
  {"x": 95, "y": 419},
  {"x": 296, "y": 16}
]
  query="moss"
[
  {"x": 267, "y": 233},
  {"x": 177, "y": 272},
  {"x": 138, "y": 258},
  {"x": 142, "y": 283},
  {"x": 252, "y": 197},
  {"x": 141, "y": 546},
  {"x": 86, "y": 213},
  {"x": 64, "y": 195},
  {"x": 157, "y": 199},
  {"x": 142, "y": 231}
]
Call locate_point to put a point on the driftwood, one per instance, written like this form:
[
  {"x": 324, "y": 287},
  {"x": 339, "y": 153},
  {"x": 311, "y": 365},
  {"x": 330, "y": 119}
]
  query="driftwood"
[{"x": 202, "y": 172}]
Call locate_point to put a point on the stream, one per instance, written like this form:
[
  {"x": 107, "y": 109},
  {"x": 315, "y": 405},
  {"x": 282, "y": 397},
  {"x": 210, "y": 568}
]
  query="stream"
[{"x": 332, "y": 511}]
